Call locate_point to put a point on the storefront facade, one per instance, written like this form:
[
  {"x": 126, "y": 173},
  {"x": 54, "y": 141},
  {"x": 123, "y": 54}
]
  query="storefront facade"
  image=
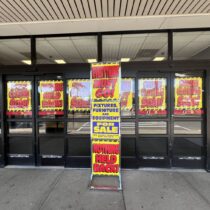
[{"x": 165, "y": 112}]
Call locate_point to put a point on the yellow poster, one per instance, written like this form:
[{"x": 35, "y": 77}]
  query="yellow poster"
[
  {"x": 18, "y": 97},
  {"x": 152, "y": 96},
  {"x": 188, "y": 95},
  {"x": 79, "y": 95},
  {"x": 105, "y": 158},
  {"x": 105, "y": 82},
  {"x": 51, "y": 95},
  {"x": 105, "y": 119}
]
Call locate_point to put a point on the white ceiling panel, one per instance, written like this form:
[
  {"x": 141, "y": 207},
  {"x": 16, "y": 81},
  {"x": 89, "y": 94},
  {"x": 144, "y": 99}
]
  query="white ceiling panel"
[
  {"x": 41, "y": 10},
  {"x": 123, "y": 7},
  {"x": 92, "y": 8},
  {"x": 68, "y": 9},
  {"x": 110, "y": 8},
  {"x": 142, "y": 7},
  {"x": 105, "y": 8},
  {"x": 111, "y": 47},
  {"x": 98, "y": 9},
  {"x": 135, "y": 8},
  {"x": 160, "y": 7},
  {"x": 129, "y": 8},
  {"x": 80, "y": 9},
  {"x": 74, "y": 9},
  {"x": 86, "y": 8},
  {"x": 130, "y": 46},
  {"x": 117, "y": 8}
]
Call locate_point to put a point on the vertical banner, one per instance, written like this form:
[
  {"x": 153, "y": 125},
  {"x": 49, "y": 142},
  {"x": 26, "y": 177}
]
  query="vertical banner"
[
  {"x": 188, "y": 96},
  {"x": 19, "y": 98},
  {"x": 105, "y": 124},
  {"x": 51, "y": 97}
]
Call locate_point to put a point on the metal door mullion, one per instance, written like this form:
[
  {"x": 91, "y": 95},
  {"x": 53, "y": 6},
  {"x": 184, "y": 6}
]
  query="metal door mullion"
[{"x": 171, "y": 122}]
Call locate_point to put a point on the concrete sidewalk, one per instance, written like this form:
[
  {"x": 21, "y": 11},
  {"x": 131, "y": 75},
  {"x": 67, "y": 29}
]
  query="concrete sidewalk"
[{"x": 62, "y": 189}]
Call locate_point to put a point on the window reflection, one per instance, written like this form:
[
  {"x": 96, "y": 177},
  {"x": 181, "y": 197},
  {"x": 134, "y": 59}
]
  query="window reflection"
[
  {"x": 188, "y": 127},
  {"x": 51, "y": 127},
  {"x": 188, "y": 146},
  {"x": 78, "y": 128},
  {"x": 127, "y": 127},
  {"x": 20, "y": 127},
  {"x": 149, "y": 127},
  {"x": 127, "y": 97}
]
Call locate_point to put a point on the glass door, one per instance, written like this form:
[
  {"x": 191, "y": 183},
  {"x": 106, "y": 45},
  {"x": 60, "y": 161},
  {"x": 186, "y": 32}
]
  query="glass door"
[
  {"x": 50, "y": 123},
  {"x": 187, "y": 120},
  {"x": 153, "y": 119},
  {"x": 169, "y": 123},
  {"x": 20, "y": 132}
]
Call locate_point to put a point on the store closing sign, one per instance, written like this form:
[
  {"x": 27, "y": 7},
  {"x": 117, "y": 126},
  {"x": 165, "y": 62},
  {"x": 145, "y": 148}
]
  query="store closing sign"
[
  {"x": 19, "y": 98},
  {"x": 105, "y": 120},
  {"x": 51, "y": 97}
]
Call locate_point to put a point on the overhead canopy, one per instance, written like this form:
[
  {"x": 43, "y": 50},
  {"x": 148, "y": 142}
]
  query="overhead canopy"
[{"x": 73, "y": 16}]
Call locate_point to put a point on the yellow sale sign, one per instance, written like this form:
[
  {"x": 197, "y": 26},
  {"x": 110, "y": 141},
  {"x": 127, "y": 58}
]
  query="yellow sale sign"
[
  {"x": 105, "y": 119},
  {"x": 105, "y": 158}
]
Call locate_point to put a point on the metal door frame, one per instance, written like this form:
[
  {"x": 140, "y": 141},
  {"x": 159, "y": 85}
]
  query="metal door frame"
[{"x": 16, "y": 160}]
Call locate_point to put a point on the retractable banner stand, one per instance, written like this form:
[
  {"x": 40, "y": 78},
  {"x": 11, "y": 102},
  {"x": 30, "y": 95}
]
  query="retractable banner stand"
[{"x": 105, "y": 126}]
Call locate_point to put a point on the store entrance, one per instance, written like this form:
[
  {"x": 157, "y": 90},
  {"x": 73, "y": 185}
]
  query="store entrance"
[
  {"x": 170, "y": 120},
  {"x": 50, "y": 123},
  {"x": 19, "y": 125},
  {"x": 34, "y": 133}
]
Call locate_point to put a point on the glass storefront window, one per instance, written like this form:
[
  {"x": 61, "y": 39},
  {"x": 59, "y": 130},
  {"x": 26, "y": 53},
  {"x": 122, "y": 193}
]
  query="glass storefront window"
[
  {"x": 19, "y": 104},
  {"x": 152, "y": 97},
  {"x": 188, "y": 96},
  {"x": 78, "y": 128},
  {"x": 75, "y": 49},
  {"x": 188, "y": 146},
  {"x": 191, "y": 45},
  {"x": 78, "y": 98},
  {"x": 20, "y": 128},
  {"x": 148, "y": 127},
  {"x": 152, "y": 147},
  {"x": 127, "y": 128},
  {"x": 136, "y": 47},
  {"x": 15, "y": 51},
  {"x": 51, "y": 127},
  {"x": 187, "y": 127},
  {"x": 51, "y": 147},
  {"x": 127, "y": 102},
  {"x": 51, "y": 98}
]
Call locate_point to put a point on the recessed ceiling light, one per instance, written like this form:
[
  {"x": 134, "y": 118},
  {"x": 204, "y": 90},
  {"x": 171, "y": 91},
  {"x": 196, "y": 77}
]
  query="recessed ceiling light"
[
  {"x": 159, "y": 59},
  {"x": 28, "y": 62},
  {"x": 60, "y": 61},
  {"x": 125, "y": 59},
  {"x": 91, "y": 60}
]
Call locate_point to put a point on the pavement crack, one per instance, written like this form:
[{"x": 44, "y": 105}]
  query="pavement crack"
[
  {"x": 123, "y": 197},
  {"x": 46, "y": 195}
]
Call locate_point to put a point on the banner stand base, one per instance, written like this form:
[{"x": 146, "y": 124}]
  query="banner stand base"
[{"x": 112, "y": 183}]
